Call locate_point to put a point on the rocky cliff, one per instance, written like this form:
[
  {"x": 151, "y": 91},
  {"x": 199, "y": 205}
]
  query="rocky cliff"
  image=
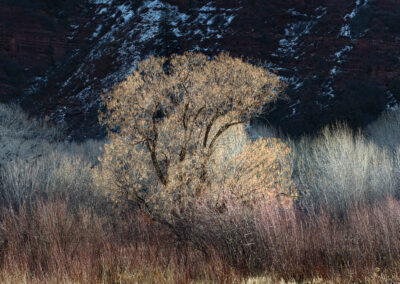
[
  {"x": 341, "y": 59},
  {"x": 30, "y": 41}
]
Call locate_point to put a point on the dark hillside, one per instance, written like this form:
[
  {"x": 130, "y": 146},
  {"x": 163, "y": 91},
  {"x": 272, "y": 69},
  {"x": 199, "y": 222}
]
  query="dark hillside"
[{"x": 340, "y": 58}]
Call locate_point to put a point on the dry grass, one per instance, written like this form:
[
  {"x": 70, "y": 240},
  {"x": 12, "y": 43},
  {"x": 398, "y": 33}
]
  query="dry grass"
[{"x": 48, "y": 243}]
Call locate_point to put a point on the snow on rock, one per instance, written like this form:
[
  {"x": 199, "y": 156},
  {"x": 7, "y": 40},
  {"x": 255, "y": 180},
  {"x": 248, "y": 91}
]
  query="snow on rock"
[
  {"x": 208, "y": 8},
  {"x": 338, "y": 58},
  {"x": 339, "y": 54},
  {"x": 392, "y": 104},
  {"x": 150, "y": 14},
  {"x": 289, "y": 45},
  {"x": 322, "y": 10},
  {"x": 103, "y": 11},
  {"x": 97, "y": 32},
  {"x": 353, "y": 14},
  {"x": 295, "y": 13},
  {"x": 345, "y": 30},
  {"x": 334, "y": 70},
  {"x": 293, "y": 33},
  {"x": 126, "y": 11},
  {"x": 207, "y": 17},
  {"x": 98, "y": 2}
]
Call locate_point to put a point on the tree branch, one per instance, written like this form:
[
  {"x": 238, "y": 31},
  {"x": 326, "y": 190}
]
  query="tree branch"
[
  {"x": 204, "y": 173},
  {"x": 152, "y": 149},
  {"x": 182, "y": 154},
  {"x": 208, "y": 129}
]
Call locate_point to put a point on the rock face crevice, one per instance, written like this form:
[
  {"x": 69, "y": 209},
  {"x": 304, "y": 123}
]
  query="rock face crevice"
[
  {"x": 30, "y": 41},
  {"x": 340, "y": 58}
]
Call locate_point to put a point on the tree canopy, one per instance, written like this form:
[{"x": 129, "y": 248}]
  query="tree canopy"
[{"x": 165, "y": 122}]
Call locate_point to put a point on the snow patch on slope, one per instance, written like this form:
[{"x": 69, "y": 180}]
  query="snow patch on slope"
[
  {"x": 345, "y": 30},
  {"x": 338, "y": 58},
  {"x": 290, "y": 44},
  {"x": 207, "y": 18},
  {"x": 293, "y": 34},
  {"x": 292, "y": 47},
  {"x": 339, "y": 55},
  {"x": 97, "y": 32},
  {"x": 98, "y": 2},
  {"x": 126, "y": 11}
]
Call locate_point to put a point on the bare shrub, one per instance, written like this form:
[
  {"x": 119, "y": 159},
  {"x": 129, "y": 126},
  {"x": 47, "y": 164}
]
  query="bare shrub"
[
  {"x": 385, "y": 131},
  {"x": 15, "y": 122},
  {"x": 275, "y": 240},
  {"x": 40, "y": 239},
  {"x": 340, "y": 169},
  {"x": 36, "y": 163},
  {"x": 21, "y": 137},
  {"x": 28, "y": 138},
  {"x": 166, "y": 120},
  {"x": 48, "y": 243},
  {"x": 89, "y": 151},
  {"x": 55, "y": 175}
]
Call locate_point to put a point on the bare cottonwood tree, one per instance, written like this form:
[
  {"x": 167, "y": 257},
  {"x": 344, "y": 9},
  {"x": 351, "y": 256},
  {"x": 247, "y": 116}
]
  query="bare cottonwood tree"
[{"x": 166, "y": 119}]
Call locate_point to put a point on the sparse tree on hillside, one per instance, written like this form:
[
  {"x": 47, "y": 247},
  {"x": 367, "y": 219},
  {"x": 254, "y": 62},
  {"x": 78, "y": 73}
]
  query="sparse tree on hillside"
[
  {"x": 166, "y": 122},
  {"x": 167, "y": 41}
]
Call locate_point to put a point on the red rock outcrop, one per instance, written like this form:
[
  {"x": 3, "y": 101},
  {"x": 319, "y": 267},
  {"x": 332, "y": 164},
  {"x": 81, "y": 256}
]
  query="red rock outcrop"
[{"x": 28, "y": 38}]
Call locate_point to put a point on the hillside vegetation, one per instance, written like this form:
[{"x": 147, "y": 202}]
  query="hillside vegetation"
[{"x": 186, "y": 189}]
